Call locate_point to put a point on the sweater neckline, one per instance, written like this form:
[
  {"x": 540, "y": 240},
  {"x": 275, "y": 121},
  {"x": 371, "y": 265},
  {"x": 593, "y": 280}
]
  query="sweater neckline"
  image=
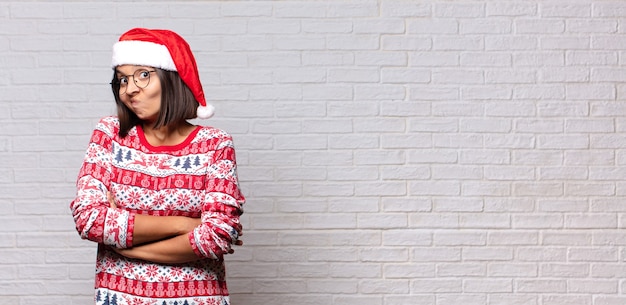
[{"x": 179, "y": 146}]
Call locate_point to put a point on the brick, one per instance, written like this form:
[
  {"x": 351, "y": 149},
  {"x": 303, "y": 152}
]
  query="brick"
[
  {"x": 591, "y": 222},
  {"x": 300, "y": 9},
  {"x": 608, "y": 9},
  {"x": 521, "y": 42},
  {"x": 570, "y": 108},
  {"x": 539, "y": 286},
  {"x": 544, "y": 58},
  {"x": 563, "y": 205},
  {"x": 562, "y": 43},
  {"x": 548, "y": 26},
  {"x": 433, "y": 93},
  {"x": 290, "y": 174},
  {"x": 509, "y": 205},
  {"x": 405, "y": 205},
  {"x": 355, "y": 270},
  {"x": 384, "y": 286},
  {"x": 539, "y": 92},
  {"x": 600, "y": 58},
  {"x": 348, "y": 9},
  {"x": 8, "y": 273},
  {"x": 434, "y": 59},
  {"x": 322, "y": 189},
  {"x": 405, "y": 43},
  {"x": 514, "y": 270},
  {"x": 511, "y": 9},
  {"x": 326, "y": 58},
  {"x": 359, "y": 300},
  {"x": 567, "y": 238},
  {"x": 334, "y": 255},
  {"x": 421, "y": 286},
  {"x": 459, "y": 239},
  {"x": 541, "y": 221},
  {"x": 458, "y": 43},
  {"x": 22, "y": 288},
  {"x": 459, "y": 10},
  {"x": 440, "y": 254},
  {"x": 591, "y": 26},
  {"x": 485, "y": 26},
  {"x": 458, "y": 76},
  {"x": 379, "y": 92},
  {"x": 457, "y": 205},
  {"x": 325, "y": 221},
  {"x": 352, "y": 173},
  {"x": 301, "y": 142},
  {"x": 334, "y": 287},
  {"x": 404, "y": 8},
  {"x": 441, "y": 188},
  {"x": 299, "y": 75},
  {"x": 488, "y": 286},
  {"x": 564, "y": 270},
  {"x": 486, "y": 93},
  {"x": 385, "y": 254},
  {"x": 584, "y": 157},
  {"x": 382, "y": 26},
  {"x": 352, "y": 42},
  {"x": 565, "y": 10},
  {"x": 567, "y": 299},
  {"x": 488, "y": 254},
  {"x": 376, "y": 58},
  {"x": 377, "y": 221},
  {"x": 360, "y": 238},
  {"x": 328, "y": 26},
  {"x": 42, "y": 272},
  {"x": 344, "y": 75}
]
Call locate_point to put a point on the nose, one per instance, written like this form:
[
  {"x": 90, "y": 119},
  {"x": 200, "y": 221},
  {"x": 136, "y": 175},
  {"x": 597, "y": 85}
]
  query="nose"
[{"x": 131, "y": 87}]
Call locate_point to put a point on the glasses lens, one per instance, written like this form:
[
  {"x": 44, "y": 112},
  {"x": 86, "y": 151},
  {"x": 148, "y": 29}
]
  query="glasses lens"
[{"x": 142, "y": 78}]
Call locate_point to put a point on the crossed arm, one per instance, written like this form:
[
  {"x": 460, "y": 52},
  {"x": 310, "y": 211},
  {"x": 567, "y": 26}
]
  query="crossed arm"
[{"x": 162, "y": 239}]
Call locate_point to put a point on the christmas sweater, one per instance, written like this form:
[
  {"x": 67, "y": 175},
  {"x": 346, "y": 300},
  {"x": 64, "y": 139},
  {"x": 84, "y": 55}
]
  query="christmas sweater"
[{"x": 197, "y": 178}]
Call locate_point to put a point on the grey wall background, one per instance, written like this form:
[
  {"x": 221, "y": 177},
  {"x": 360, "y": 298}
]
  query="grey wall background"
[{"x": 392, "y": 152}]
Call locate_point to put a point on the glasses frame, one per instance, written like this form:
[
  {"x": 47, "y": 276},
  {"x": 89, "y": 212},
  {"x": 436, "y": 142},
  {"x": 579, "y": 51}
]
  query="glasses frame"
[{"x": 118, "y": 83}]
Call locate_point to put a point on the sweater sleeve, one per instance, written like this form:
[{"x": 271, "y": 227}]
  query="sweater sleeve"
[
  {"x": 94, "y": 219},
  {"x": 222, "y": 207}
]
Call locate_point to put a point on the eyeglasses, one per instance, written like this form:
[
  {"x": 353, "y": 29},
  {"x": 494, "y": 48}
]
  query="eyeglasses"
[{"x": 141, "y": 78}]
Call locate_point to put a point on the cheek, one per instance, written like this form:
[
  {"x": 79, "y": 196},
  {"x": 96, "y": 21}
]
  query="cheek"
[
  {"x": 155, "y": 96},
  {"x": 125, "y": 100}
]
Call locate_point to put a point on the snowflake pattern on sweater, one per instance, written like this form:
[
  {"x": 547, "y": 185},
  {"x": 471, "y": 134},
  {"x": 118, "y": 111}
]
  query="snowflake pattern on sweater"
[{"x": 197, "y": 178}]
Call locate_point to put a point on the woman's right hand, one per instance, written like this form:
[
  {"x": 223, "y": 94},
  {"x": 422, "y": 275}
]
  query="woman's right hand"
[{"x": 188, "y": 224}]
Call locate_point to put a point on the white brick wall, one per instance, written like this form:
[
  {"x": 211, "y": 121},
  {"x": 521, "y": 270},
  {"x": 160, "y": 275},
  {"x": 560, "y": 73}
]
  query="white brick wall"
[{"x": 392, "y": 151}]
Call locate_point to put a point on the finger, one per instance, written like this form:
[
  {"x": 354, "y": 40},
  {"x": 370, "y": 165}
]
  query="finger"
[{"x": 111, "y": 200}]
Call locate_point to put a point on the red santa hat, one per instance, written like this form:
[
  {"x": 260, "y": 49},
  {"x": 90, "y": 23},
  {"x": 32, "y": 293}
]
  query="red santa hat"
[{"x": 165, "y": 50}]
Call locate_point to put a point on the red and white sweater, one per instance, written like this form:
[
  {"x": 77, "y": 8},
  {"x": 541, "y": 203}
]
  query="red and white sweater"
[{"x": 197, "y": 178}]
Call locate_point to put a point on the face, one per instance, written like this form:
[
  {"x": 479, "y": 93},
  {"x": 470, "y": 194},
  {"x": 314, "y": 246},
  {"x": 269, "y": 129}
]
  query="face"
[{"x": 144, "y": 102}]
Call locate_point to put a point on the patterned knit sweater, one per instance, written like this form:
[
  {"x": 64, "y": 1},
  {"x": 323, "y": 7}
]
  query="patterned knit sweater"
[{"x": 197, "y": 178}]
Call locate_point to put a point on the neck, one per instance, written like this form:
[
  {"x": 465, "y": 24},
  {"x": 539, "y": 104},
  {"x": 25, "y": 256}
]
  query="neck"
[{"x": 167, "y": 135}]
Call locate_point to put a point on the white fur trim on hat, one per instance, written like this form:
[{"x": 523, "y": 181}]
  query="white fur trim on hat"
[
  {"x": 142, "y": 53},
  {"x": 205, "y": 112}
]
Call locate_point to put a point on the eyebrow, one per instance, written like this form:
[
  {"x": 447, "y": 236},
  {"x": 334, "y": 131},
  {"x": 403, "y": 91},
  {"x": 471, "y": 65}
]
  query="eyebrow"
[{"x": 122, "y": 74}]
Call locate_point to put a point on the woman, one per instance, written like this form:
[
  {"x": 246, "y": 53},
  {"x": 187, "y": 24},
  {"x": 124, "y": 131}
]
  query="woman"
[{"x": 159, "y": 195}]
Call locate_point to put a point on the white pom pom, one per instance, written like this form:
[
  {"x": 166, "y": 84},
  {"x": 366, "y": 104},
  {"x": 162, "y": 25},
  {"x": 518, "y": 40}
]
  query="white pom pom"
[{"x": 205, "y": 112}]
